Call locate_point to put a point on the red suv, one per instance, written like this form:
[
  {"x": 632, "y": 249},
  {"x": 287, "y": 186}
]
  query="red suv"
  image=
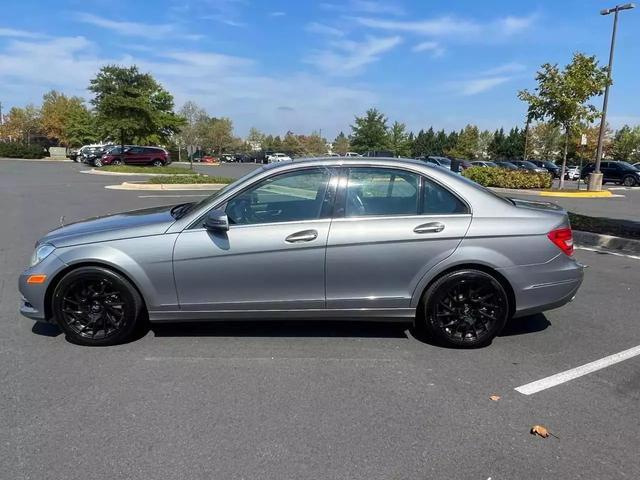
[{"x": 135, "y": 155}]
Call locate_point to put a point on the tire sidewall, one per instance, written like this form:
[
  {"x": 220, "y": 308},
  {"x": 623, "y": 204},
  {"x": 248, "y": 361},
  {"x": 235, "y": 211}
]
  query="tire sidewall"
[
  {"x": 131, "y": 298},
  {"x": 434, "y": 331}
]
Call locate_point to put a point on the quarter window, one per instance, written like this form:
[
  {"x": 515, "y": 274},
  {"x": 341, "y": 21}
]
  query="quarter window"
[
  {"x": 295, "y": 196},
  {"x": 437, "y": 200}
]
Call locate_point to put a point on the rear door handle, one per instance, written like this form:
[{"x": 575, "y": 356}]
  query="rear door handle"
[
  {"x": 431, "y": 227},
  {"x": 303, "y": 236}
]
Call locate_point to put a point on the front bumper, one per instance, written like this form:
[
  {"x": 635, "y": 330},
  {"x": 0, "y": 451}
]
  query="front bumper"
[{"x": 32, "y": 304}]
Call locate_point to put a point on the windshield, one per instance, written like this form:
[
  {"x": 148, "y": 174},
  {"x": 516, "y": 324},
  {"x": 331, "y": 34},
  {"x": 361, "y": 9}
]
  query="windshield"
[
  {"x": 627, "y": 166},
  {"x": 491, "y": 164},
  {"x": 211, "y": 198},
  {"x": 528, "y": 164}
]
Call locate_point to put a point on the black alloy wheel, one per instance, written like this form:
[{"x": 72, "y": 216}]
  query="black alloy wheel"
[
  {"x": 96, "y": 306},
  {"x": 465, "y": 308},
  {"x": 158, "y": 163},
  {"x": 116, "y": 161},
  {"x": 629, "y": 181}
]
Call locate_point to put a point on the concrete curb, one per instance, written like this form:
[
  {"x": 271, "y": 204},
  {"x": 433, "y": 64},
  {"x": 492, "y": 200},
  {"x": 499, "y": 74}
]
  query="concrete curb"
[
  {"x": 93, "y": 171},
  {"x": 559, "y": 193},
  {"x": 607, "y": 242},
  {"x": 166, "y": 186},
  {"x": 37, "y": 159}
]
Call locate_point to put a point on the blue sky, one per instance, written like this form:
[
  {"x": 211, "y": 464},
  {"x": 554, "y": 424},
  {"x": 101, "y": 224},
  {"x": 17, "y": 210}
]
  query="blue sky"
[{"x": 310, "y": 65}]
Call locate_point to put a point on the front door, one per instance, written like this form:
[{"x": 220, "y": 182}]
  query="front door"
[
  {"x": 271, "y": 258},
  {"x": 395, "y": 226}
]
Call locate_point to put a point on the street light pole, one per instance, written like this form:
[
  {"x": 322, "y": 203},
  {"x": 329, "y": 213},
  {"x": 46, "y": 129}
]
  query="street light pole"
[{"x": 595, "y": 180}]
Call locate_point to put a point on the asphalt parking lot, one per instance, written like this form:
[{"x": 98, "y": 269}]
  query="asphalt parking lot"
[{"x": 304, "y": 400}]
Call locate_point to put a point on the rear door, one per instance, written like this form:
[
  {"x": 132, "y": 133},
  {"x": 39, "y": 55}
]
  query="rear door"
[
  {"x": 391, "y": 226},
  {"x": 134, "y": 155}
]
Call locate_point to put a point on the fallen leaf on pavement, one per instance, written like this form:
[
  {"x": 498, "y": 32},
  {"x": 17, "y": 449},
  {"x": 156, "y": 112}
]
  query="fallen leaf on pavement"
[
  {"x": 495, "y": 398},
  {"x": 540, "y": 431}
]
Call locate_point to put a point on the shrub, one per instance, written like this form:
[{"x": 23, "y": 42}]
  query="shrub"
[
  {"x": 19, "y": 150},
  {"x": 504, "y": 178}
]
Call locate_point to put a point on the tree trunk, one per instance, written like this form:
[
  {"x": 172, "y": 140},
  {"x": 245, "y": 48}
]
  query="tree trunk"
[
  {"x": 122, "y": 142},
  {"x": 564, "y": 157}
]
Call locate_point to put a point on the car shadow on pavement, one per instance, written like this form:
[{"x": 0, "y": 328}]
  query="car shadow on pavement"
[
  {"x": 281, "y": 328},
  {"x": 524, "y": 325}
]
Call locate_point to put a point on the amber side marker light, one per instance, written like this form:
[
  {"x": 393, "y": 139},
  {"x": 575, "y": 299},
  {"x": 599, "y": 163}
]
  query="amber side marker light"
[{"x": 38, "y": 278}]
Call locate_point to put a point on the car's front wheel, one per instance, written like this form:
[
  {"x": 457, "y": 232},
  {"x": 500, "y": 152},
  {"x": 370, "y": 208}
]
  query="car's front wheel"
[
  {"x": 97, "y": 162},
  {"x": 158, "y": 163},
  {"x": 465, "y": 308},
  {"x": 96, "y": 306},
  {"x": 629, "y": 181}
]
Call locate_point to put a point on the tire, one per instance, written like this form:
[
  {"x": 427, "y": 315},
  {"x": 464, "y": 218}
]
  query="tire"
[
  {"x": 97, "y": 162},
  {"x": 158, "y": 163},
  {"x": 465, "y": 309},
  {"x": 95, "y": 306},
  {"x": 117, "y": 161},
  {"x": 629, "y": 181}
]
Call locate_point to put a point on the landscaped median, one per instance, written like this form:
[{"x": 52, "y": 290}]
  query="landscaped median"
[
  {"x": 176, "y": 182},
  {"x": 131, "y": 170},
  {"x": 507, "y": 181}
]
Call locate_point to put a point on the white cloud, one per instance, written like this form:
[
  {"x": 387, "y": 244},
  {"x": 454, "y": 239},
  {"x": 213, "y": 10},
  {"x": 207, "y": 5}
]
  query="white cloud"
[
  {"x": 277, "y": 14},
  {"x": 129, "y": 29},
  {"x": 13, "y": 33},
  {"x": 429, "y": 46},
  {"x": 453, "y": 27},
  {"x": 224, "y": 85},
  {"x": 322, "y": 29},
  {"x": 347, "y": 57},
  {"x": 511, "y": 67},
  {"x": 366, "y": 6},
  {"x": 479, "y": 85}
]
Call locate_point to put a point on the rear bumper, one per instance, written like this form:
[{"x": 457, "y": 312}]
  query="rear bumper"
[{"x": 542, "y": 287}]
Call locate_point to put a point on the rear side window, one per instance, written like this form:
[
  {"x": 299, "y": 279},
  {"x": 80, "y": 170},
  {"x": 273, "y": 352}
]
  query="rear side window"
[
  {"x": 437, "y": 200},
  {"x": 382, "y": 192}
]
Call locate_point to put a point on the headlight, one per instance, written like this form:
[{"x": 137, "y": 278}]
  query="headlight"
[{"x": 41, "y": 252}]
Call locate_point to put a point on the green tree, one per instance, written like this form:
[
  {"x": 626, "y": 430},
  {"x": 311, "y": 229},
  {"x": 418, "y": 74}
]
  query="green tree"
[
  {"x": 399, "y": 140},
  {"x": 217, "y": 135},
  {"x": 255, "y": 137},
  {"x": 313, "y": 144},
  {"x": 291, "y": 144},
  {"x": 439, "y": 143},
  {"x": 497, "y": 145},
  {"x": 466, "y": 146},
  {"x": 370, "y": 132},
  {"x": 80, "y": 126},
  {"x": 132, "y": 106},
  {"x": 626, "y": 144},
  {"x": 484, "y": 140},
  {"x": 545, "y": 141},
  {"x": 561, "y": 96},
  {"x": 513, "y": 145},
  {"x": 23, "y": 124},
  {"x": 194, "y": 127},
  {"x": 55, "y": 111},
  {"x": 341, "y": 145}
]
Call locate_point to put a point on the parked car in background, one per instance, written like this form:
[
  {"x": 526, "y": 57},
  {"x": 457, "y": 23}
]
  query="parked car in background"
[
  {"x": 637, "y": 165},
  {"x": 436, "y": 160},
  {"x": 319, "y": 238},
  {"x": 134, "y": 155},
  {"x": 278, "y": 157},
  {"x": 484, "y": 163},
  {"x": 615, "y": 172},
  {"x": 550, "y": 167},
  {"x": 352, "y": 154},
  {"x": 87, "y": 152},
  {"x": 506, "y": 165},
  {"x": 208, "y": 159},
  {"x": 572, "y": 173},
  {"x": 527, "y": 165}
]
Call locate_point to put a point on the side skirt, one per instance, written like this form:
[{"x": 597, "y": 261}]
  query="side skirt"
[{"x": 364, "y": 314}]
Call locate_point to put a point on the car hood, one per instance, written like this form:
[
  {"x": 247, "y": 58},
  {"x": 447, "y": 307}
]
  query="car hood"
[{"x": 137, "y": 223}]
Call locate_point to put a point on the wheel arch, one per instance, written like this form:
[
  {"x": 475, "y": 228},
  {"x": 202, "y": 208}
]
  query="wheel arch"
[
  {"x": 48, "y": 296},
  {"x": 466, "y": 266}
]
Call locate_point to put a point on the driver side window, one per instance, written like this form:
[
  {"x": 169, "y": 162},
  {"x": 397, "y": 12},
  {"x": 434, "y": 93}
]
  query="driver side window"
[{"x": 290, "y": 197}]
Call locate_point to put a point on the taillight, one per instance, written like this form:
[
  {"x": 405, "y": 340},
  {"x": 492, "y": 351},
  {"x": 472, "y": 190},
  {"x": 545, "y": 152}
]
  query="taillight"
[{"x": 563, "y": 239}]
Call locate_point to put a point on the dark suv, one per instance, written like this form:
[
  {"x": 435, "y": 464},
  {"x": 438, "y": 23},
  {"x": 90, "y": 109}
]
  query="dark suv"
[
  {"x": 135, "y": 155},
  {"x": 618, "y": 172},
  {"x": 550, "y": 167}
]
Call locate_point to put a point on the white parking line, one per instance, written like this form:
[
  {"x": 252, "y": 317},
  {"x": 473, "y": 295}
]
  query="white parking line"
[
  {"x": 608, "y": 252},
  {"x": 170, "y": 196},
  {"x": 568, "y": 375}
]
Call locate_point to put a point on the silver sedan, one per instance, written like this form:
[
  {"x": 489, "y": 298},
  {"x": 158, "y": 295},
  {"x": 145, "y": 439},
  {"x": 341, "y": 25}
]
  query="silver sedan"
[{"x": 321, "y": 238}]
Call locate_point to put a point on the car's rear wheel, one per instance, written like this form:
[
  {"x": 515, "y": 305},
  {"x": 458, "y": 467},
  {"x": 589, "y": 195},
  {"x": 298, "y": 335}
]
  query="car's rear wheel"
[
  {"x": 116, "y": 161},
  {"x": 629, "y": 181},
  {"x": 465, "y": 308},
  {"x": 96, "y": 306},
  {"x": 158, "y": 163}
]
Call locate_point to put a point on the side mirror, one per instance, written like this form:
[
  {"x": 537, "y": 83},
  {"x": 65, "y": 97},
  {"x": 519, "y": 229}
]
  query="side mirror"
[{"x": 216, "y": 221}]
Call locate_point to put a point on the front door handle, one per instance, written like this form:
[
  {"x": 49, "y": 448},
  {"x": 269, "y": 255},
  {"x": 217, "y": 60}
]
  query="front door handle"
[
  {"x": 431, "y": 227},
  {"x": 304, "y": 236}
]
